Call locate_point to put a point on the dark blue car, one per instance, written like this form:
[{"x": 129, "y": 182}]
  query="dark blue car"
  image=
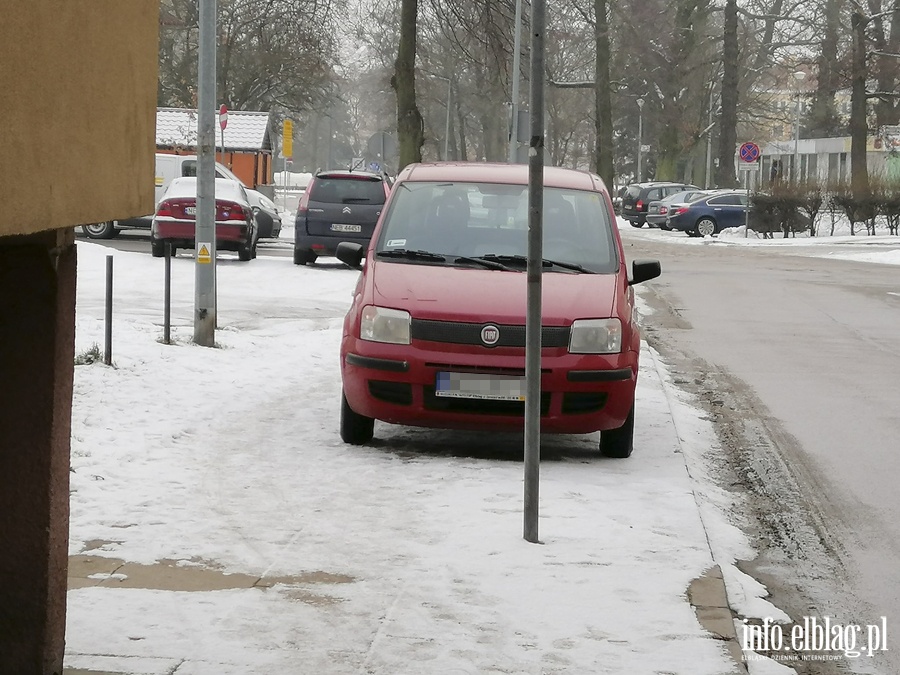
[{"x": 710, "y": 215}]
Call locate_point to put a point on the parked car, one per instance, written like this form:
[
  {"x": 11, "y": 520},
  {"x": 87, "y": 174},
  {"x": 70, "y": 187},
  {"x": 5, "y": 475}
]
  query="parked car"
[
  {"x": 637, "y": 198},
  {"x": 338, "y": 206},
  {"x": 710, "y": 214},
  {"x": 658, "y": 211},
  {"x": 175, "y": 219},
  {"x": 170, "y": 167},
  {"x": 268, "y": 219},
  {"x": 435, "y": 336}
]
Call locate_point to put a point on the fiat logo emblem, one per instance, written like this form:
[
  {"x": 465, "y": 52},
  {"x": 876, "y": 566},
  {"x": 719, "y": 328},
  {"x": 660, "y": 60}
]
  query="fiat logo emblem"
[{"x": 490, "y": 335}]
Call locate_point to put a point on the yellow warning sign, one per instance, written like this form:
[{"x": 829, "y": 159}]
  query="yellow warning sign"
[{"x": 203, "y": 254}]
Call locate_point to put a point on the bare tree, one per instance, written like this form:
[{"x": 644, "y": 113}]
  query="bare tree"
[
  {"x": 410, "y": 128},
  {"x": 728, "y": 116},
  {"x": 271, "y": 53}
]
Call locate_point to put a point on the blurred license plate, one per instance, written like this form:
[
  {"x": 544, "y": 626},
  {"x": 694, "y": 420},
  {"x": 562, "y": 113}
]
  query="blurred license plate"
[
  {"x": 190, "y": 210},
  {"x": 477, "y": 385},
  {"x": 341, "y": 227}
]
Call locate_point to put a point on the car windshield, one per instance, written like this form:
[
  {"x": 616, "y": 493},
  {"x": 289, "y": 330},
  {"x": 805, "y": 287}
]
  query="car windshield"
[{"x": 489, "y": 221}]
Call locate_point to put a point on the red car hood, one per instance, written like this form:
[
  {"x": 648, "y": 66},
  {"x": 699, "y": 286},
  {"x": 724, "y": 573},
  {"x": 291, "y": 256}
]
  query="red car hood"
[{"x": 475, "y": 295}]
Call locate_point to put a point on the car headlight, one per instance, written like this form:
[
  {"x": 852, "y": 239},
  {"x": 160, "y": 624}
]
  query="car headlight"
[
  {"x": 596, "y": 336},
  {"x": 380, "y": 324}
]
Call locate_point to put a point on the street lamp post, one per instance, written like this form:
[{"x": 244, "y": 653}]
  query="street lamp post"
[
  {"x": 799, "y": 76},
  {"x": 447, "y": 124},
  {"x": 640, "y": 104}
]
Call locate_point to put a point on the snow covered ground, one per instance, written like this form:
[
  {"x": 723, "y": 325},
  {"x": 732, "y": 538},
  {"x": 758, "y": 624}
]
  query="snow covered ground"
[{"x": 403, "y": 556}]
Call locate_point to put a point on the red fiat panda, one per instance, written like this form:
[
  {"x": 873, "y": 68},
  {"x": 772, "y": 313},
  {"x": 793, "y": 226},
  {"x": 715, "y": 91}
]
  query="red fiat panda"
[{"x": 435, "y": 336}]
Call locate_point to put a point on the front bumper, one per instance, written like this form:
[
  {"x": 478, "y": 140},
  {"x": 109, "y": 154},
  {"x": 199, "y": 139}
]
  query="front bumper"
[{"x": 396, "y": 383}]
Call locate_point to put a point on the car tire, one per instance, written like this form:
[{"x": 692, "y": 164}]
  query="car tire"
[
  {"x": 104, "y": 230},
  {"x": 245, "y": 253},
  {"x": 705, "y": 227},
  {"x": 303, "y": 256},
  {"x": 618, "y": 443},
  {"x": 634, "y": 224},
  {"x": 356, "y": 429},
  {"x": 158, "y": 248}
]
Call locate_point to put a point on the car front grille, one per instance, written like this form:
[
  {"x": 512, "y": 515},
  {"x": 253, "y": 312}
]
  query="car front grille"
[{"x": 463, "y": 333}]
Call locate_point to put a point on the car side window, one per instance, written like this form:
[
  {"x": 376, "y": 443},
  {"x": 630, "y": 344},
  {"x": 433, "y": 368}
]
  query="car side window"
[
  {"x": 653, "y": 194},
  {"x": 724, "y": 200}
]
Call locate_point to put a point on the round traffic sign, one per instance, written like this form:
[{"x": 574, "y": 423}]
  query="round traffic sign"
[
  {"x": 749, "y": 152},
  {"x": 223, "y": 116}
]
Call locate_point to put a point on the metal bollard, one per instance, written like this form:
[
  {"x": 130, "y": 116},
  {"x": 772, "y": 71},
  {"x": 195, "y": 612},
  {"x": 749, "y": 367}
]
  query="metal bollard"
[
  {"x": 107, "y": 352},
  {"x": 167, "y": 310}
]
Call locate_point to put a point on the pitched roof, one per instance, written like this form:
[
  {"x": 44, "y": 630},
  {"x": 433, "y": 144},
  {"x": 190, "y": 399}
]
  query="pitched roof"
[{"x": 246, "y": 130}]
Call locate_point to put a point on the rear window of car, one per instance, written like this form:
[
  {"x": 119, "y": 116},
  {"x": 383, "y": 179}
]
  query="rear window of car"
[
  {"x": 347, "y": 190},
  {"x": 632, "y": 191}
]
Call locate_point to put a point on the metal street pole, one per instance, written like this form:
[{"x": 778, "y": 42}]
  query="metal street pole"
[
  {"x": 533, "y": 275},
  {"x": 205, "y": 232},
  {"x": 799, "y": 76},
  {"x": 709, "y": 141},
  {"x": 640, "y": 104},
  {"x": 447, "y": 126},
  {"x": 514, "y": 106}
]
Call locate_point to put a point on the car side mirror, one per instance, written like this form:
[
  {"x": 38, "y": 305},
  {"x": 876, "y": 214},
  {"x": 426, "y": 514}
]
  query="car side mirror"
[
  {"x": 644, "y": 270},
  {"x": 350, "y": 253}
]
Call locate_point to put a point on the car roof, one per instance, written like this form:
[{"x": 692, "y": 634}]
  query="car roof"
[
  {"x": 186, "y": 187},
  {"x": 496, "y": 172},
  {"x": 346, "y": 173},
  {"x": 660, "y": 183}
]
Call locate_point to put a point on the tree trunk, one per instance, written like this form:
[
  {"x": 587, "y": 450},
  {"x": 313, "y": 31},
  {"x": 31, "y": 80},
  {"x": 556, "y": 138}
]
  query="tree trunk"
[
  {"x": 728, "y": 117},
  {"x": 823, "y": 120},
  {"x": 603, "y": 150},
  {"x": 410, "y": 126},
  {"x": 859, "y": 173}
]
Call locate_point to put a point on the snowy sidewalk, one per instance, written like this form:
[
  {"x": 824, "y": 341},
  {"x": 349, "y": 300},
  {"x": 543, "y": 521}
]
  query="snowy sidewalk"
[{"x": 220, "y": 527}]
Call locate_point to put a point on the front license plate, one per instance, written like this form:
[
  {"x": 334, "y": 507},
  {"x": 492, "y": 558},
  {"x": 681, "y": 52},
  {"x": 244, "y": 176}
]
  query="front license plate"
[
  {"x": 343, "y": 227},
  {"x": 477, "y": 385}
]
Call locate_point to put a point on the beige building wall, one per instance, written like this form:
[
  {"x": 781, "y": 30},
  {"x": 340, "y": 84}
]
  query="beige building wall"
[
  {"x": 77, "y": 139},
  {"x": 77, "y": 111}
]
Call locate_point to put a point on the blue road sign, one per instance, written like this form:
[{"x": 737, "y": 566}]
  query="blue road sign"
[{"x": 749, "y": 152}]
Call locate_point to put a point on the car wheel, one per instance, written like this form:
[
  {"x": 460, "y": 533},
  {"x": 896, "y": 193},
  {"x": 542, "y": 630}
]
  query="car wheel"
[
  {"x": 254, "y": 250},
  {"x": 303, "y": 256},
  {"x": 158, "y": 248},
  {"x": 355, "y": 429},
  {"x": 105, "y": 230},
  {"x": 665, "y": 227},
  {"x": 245, "y": 253},
  {"x": 705, "y": 227},
  {"x": 618, "y": 443},
  {"x": 634, "y": 224}
]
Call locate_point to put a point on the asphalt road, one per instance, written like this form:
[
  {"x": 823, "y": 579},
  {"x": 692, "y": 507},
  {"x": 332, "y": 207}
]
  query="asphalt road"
[{"x": 797, "y": 359}]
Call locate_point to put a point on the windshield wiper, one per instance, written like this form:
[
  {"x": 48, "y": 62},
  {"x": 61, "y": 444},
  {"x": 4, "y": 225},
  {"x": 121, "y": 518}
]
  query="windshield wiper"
[
  {"x": 546, "y": 262},
  {"x": 568, "y": 266},
  {"x": 407, "y": 253},
  {"x": 481, "y": 260}
]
